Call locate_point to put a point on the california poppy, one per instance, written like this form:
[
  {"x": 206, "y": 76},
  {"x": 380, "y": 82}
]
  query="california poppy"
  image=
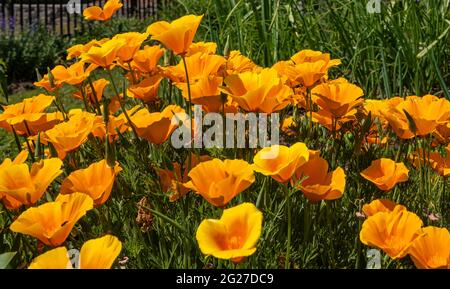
[
  {"x": 393, "y": 232},
  {"x": 307, "y": 67},
  {"x": 385, "y": 173},
  {"x": 280, "y": 162},
  {"x": 328, "y": 120},
  {"x": 68, "y": 136},
  {"x": 73, "y": 75},
  {"x": 27, "y": 186},
  {"x": 76, "y": 50},
  {"x": 102, "y": 14},
  {"x": 146, "y": 90},
  {"x": 238, "y": 63},
  {"x": 93, "y": 96},
  {"x": 173, "y": 180},
  {"x": 258, "y": 92},
  {"x": 133, "y": 41},
  {"x": 155, "y": 127},
  {"x": 198, "y": 66},
  {"x": 52, "y": 222},
  {"x": 105, "y": 54},
  {"x": 204, "y": 92},
  {"x": 116, "y": 126},
  {"x": 226, "y": 179},
  {"x": 202, "y": 47},
  {"x": 176, "y": 35},
  {"x": 432, "y": 250},
  {"x": 30, "y": 110},
  {"x": 319, "y": 183},
  {"x": 418, "y": 115},
  {"x": 146, "y": 59},
  {"x": 380, "y": 205},
  {"x": 10, "y": 202},
  {"x": 337, "y": 98},
  {"x": 97, "y": 253},
  {"x": 96, "y": 181},
  {"x": 234, "y": 235}
]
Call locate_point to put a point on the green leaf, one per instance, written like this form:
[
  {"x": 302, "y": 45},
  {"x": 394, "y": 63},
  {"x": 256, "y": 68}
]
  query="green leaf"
[{"x": 6, "y": 258}]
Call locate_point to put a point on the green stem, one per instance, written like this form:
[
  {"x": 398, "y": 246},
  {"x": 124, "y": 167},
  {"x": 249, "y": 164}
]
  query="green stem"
[
  {"x": 189, "y": 105},
  {"x": 122, "y": 106},
  {"x": 289, "y": 228},
  {"x": 165, "y": 218}
]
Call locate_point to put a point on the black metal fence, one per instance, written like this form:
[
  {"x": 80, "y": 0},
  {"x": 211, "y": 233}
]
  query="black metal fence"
[{"x": 62, "y": 16}]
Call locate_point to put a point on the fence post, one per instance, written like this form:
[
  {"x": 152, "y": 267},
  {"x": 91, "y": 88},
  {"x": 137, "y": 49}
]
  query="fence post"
[
  {"x": 46, "y": 15},
  {"x": 11, "y": 18}
]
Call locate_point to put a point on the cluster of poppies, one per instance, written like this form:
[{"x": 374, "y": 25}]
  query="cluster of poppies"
[{"x": 229, "y": 83}]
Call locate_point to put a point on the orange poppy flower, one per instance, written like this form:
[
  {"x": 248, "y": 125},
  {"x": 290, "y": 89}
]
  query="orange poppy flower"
[
  {"x": 308, "y": 55},
  {"x": 116, "y": 125},
  {"x": 426, "y": 113},
  {"x": 68, "y": 136},
  {"x": 105, "y": 54},
  {"x": 52, "y": 222},
  {"x": 102, "y": 14},
  {"x": 198, "y": 66},
  {"x": 432, "y": 250},
  {"x": 442, "y": 134},
  {"x": 96, "y": 95},
  {"x": 73, "y": 75},
  {"x": 97, "y": 253},
  {"x": 27, "y": 186},
  {"x": 393, "y": 232},
  {"x": 75, "y": 51},
  {"x": 238, "y": 63},
  {"x": 385, "y": 173},
  {"x": 280, "y": 162},
  {"x": 326, "y": 118},
  {"x": 30, "y": 110},
  {"x": 202, "y": 47},
  {"x": 258, "y": 92},
  {"x": 378, "y": 107},
  {"x": 226, "y": 179},
  {"x": 96, "y": 181},
  {"x": 173, "y": 181},
  {"x": 146, "y": 60},
  {"x": 306, "y": 67},
  {"x": 337, "y": 98},
  {"x": 380, "y": 205},
  {"x": 146, "y": 90},
  {"x": 234, "y": 236},
  {"x": 133, "y": 42},
  {"x": 46, "y": 84},
  {"x": 438, "y": 162},
  {"x": 9, "y": 202},
  {"x": 177, "y": 35},
  {"x": 319, "y": 184},
  {"x": 155, "y": 127},
  {"x": 204, "y": 92}
]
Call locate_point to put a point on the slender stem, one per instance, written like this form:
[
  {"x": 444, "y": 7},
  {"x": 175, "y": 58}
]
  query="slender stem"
[
  {"x": 289, "y": 228},
  {"x": 165, "y": 218},
  {"x": 16, "y": 139},
  {"x": 122, "y": 106},
  {"x": 306, "y": 220},
  {"x": 83, "y": 94},
  {"x": 189, "y": 106},
  {"x": 132, "y": 73}
]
